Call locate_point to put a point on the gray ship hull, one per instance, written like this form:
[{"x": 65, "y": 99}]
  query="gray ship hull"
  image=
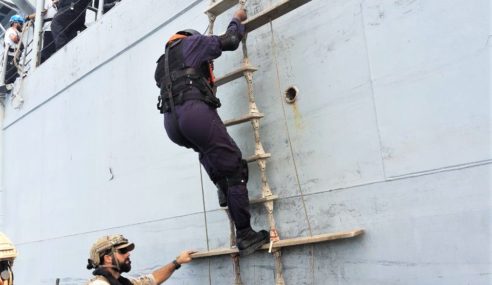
[{"x": 390, "y": 132}]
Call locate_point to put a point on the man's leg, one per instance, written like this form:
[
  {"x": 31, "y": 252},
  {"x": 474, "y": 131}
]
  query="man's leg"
[
  {"x": 201, "y": 125},
  {"x": 174, "y": 133},
  {"x": 49, "y": 47},
  {"x": 219, "y": 181},
  {"x": 11, "y": 73},
  {"x": 59, "y": 29},
  {"x": 79, "y": 24}
]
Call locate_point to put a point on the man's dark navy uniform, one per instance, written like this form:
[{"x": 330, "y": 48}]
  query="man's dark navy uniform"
[
  {"x": 69, "y": 20},
  {"x": 184, "y": 74}
]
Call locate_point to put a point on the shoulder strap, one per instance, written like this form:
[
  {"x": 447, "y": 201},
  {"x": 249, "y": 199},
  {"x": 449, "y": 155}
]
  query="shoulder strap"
[
  {"x": 166, "y": 79},
  {"x": 168, "y": 82}
]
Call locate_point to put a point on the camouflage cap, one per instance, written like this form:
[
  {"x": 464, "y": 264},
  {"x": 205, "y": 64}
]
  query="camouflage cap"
[
  {"x": 104, "y": 245},
  {"x": 7, "y": 248}
]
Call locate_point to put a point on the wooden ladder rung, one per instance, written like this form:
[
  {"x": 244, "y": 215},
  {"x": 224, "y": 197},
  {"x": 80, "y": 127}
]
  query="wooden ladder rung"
[
  {"x": 258, "y": 157},
  {"x": 286, "y": 243},
  {"x": 243, "y": 119},
  {"x": 220, "y": 7},
  {"x": 234, "y": 75},
  {"x": 263, "y": 199},
  {"x": 272, "y": 13}
]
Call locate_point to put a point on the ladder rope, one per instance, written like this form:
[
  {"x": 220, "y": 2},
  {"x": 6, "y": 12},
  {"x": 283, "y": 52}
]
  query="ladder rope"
[
  {"x": 260, "y": 156},
  {"x": 265, "y": 187}
]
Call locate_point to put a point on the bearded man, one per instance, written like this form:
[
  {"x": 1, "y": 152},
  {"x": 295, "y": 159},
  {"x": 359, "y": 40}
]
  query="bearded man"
[{"x": 110, "y": 256}]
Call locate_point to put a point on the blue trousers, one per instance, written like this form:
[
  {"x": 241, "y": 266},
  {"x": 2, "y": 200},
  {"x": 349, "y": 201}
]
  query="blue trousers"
[{"x": 200, "y": 128}]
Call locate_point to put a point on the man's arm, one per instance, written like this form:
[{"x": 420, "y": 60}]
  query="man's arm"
[
  {"x": 163, "y": 273},
  {"x": 33, "y": 15},
  {"x": 198, "y": 49},
  {"x": 235, "y": 32},
  {"x": 14, "y": 37}
]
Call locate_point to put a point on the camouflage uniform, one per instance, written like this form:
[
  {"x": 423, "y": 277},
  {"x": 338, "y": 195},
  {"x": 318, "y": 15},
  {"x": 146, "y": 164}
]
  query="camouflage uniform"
[{"x": 142, "y": 280}]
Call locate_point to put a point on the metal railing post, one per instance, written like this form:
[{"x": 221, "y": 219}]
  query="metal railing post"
[
  {"x": 100, "y": 9},
  {"x": 4, "y": 65},
  {"x": 38, "y": 30}
]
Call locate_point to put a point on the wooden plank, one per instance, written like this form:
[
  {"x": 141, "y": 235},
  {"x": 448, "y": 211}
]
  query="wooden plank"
[
  {"x": 272, "y": 13},
  {"x": 258, "y": 157},
  {"x": 214, "y": 252},
  {"x": 243, "y": 119},
  {"x": 220, "y": 7},
  {"x": 234, "y": 75},
  {"x": 316, "y": 239},
  {"x": 286, "y": 243}
]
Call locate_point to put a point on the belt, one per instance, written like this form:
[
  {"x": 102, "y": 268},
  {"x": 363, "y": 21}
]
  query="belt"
[
  {"x": 184, "y": 96},
  {"x": 180, "y": 98}
]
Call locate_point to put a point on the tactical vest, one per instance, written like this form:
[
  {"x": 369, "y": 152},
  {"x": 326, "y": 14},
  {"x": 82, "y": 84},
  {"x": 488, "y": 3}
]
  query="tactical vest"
[
  {"x": 183, "y": 79},
  {"x": 106, "y": 277}
]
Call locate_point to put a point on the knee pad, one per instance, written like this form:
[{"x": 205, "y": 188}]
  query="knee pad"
[
  {"x": 244, "y": 170},
  {"x": 238, "y": 178},
  {"x": 222, "y": 192},
  {"x": 241, "y": 176}
]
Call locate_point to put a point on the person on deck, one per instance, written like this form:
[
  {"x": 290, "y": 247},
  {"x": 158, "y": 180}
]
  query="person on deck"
[
  {"x": 12, "y": 41},
  {"x": 68, "y": 21}
]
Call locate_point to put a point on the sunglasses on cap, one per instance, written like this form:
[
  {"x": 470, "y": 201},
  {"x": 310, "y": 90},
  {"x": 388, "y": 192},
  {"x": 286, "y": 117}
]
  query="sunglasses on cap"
[{"x": 124, "y": 250}]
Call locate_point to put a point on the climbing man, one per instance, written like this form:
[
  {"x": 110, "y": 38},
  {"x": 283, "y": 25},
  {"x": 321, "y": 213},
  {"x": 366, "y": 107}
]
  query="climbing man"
[
  {"x": 12, "y": 41},
  {"x": 7, "y": 255},
  {"x": 68, "y": 21},
  {"x": 110, "y": 256},
  {"x": 187, "y": 99}
]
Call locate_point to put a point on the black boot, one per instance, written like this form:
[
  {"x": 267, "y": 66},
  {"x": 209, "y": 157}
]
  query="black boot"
[{"x": 248, "y": 240}]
